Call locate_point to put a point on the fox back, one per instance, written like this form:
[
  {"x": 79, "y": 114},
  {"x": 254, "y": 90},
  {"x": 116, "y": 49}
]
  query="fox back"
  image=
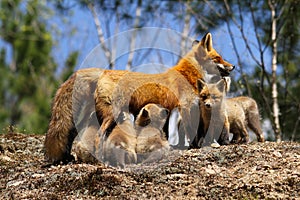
[{"x": 242, "y": 112}]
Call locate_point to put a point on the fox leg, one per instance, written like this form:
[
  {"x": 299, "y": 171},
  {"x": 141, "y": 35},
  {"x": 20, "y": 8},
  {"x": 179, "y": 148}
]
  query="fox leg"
[
  {"x": 254, "y": 125},
  {"x": 61, "y": 131},
  {"x": 224, "y": 137},
  {"x": 245, "y": 135},
  {"x": 236, "y": 137}
]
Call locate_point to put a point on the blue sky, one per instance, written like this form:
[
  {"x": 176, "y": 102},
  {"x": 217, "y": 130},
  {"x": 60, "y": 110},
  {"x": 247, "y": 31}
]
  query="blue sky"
[{"x": 78, "y": 32}]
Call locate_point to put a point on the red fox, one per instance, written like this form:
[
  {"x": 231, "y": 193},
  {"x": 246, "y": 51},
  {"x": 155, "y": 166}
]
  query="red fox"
[
  {"x": 178, "y": 87},
  {"x": 227, "y": 115},
  {"x": 85, "y": 146},
  {"x": 242, "y": 112}
]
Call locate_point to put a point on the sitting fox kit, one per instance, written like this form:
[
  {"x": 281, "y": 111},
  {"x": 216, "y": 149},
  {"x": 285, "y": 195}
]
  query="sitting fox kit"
[
  {"x": 142, "y": 142},
  {"x": 237, "y": 113}
]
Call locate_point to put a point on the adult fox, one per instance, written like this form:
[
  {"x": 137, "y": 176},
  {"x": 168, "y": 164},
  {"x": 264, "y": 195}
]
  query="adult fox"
[{"x": 177, "y": 87}]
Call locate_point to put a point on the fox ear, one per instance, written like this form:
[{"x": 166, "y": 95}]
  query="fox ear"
[
  {"x": 145, "y": 113},
  {"x": 221, "y": 85},
  {"x": 200, "y": 85},
  {"x": 206, "y": 42},
  {"x": 227, "y": 81},
  {"x": 121, "y": 117},
  {"x": 195, "y": 43}
]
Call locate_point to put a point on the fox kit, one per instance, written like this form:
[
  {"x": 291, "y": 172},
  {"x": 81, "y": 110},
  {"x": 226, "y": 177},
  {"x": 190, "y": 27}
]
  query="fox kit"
[
  {"x": 242, "y": 112},
  {"x": 151, "y": 139},
  {"x": 213, "y": 112},
  {"x": 175, "y": 88},
  {"x": 85, "y": 146},
  {"x": 119, "y": 148},
  {"x": 125, "y": 142},
  {"x": 238, "y": 112}
]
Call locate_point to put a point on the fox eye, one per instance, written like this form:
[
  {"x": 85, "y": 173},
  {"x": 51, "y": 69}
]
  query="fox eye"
[
  {"x": 203, "y": 96},
  {"x": 217, "y": 58},
  {"x": 213, "y": 96}
]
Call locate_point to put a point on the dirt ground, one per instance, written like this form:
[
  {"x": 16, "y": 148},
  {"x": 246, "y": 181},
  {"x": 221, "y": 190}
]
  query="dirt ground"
[{"x": 254, "y": 171}]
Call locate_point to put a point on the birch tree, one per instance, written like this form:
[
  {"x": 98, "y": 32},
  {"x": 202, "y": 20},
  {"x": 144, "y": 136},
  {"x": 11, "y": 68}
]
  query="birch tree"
[{"x": 272, "y": 6}]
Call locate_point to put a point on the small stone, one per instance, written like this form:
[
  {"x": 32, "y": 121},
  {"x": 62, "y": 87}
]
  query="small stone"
[{"x": 215, "y": 145}]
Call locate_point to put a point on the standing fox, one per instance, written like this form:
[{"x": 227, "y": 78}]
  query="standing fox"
[
  {"x": 74, "y": 95},
  {"x": 176, "y": 88},
  {"x": 231, "y": 115},
  {"x": 242, "y": 112},
  {"x": 213, "y": 112}
]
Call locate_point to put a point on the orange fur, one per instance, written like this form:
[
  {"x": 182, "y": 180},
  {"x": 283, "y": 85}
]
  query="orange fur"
[
  {"x": 177, "y": 87},
  {"x": 85, "y": 146},
  {"x": 126, "y": 140},
  {"x": 120, "y": 146},
  {"x": 151, "y": 144}
]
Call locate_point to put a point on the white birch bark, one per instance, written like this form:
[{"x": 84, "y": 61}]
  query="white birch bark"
[{"x": 275, "y": 105}]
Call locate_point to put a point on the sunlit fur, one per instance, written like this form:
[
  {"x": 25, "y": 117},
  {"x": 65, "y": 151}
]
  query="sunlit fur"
[
  {"x": 177, "y": 87},
  {"x": 119, "y": 148},
  {"x": 242, "y": 113}
]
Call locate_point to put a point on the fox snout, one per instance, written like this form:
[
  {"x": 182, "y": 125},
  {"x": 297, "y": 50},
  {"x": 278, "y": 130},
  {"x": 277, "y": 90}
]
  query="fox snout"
[
  {"x": 207, "y": 105},
  {"x": 225, "y": 70}
]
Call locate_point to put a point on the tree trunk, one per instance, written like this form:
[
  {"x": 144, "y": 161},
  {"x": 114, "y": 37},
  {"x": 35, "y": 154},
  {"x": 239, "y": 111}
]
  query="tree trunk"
[
  {"x": 138, "y": 13},
  {"x": 275, "y": 105},
  {"x": 185, "y": 31},
  {"x": 100, "y": 35}
]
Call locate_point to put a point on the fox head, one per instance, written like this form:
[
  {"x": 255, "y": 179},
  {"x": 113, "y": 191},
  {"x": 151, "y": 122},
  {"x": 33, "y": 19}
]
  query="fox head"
[
  {"x": 152, "y": 115},
  {"x": 211, "y": 95},
  {"x": 209, "y": 58}
]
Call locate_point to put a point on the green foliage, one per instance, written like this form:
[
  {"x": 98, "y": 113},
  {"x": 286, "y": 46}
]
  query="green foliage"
[
  {"x": 70, "y": 64},
  {"x": 27, "y": 82}
]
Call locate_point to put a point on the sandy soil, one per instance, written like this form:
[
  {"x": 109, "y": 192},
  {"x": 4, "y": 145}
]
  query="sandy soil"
[{"x": 254, "y": 171}]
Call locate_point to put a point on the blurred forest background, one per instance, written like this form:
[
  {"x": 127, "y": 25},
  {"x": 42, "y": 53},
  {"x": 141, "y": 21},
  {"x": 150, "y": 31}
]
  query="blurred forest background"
[{"x": 43, "y": 42}]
